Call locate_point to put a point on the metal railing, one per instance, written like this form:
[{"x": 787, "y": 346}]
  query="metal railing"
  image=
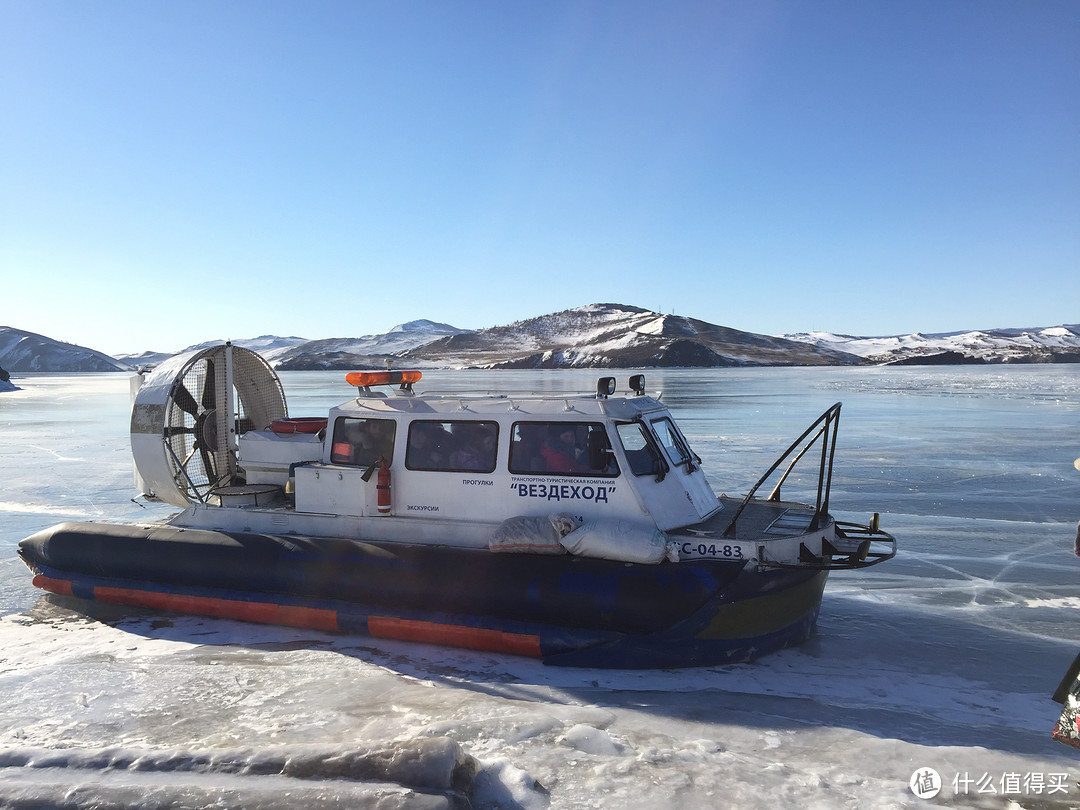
[{"x": 826, "y": 427}]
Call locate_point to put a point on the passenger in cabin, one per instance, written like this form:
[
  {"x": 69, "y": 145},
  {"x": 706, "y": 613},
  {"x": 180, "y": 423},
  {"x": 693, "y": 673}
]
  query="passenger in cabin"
[
  {"x": 525, "y": 448},
  {"x": 475, "y": 447},
  {"x": 362, "y": 442},
  {"x": 581, "y": 444},
  {"x": 429, "y": 447},
  {"x": 380, "y": 440},
  {"x": 562, "y": 452},
  {"x": 559, "y": 447}
]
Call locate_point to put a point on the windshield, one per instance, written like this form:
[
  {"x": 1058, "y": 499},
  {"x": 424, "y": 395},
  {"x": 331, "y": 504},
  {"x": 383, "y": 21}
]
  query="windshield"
[
  {"x": 672, "y": 440},
  {"x": 640, "y": 450}
]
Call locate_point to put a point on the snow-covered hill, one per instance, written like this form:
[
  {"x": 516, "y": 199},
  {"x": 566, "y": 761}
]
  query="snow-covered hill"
[
  {"x": 620, "y": 336},
  {"x": 270, "y": 347},
  {"x": 363, "y": 351},
  {"x": 22, "y": 351},
  {"x": 1056, "y": 344}
]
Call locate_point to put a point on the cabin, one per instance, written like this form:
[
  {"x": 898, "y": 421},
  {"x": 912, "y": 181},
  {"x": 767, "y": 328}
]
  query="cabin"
[{"x": 393, "y": 453}]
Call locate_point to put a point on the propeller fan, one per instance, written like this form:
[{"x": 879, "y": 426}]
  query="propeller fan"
[
  {"x": 188, "y": 415},
  {"x": 192, "y": 429}
]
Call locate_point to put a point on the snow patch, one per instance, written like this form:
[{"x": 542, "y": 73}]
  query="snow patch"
[
  {"x": 590, "y": 740},
  {"x": 501, "y": 784}
]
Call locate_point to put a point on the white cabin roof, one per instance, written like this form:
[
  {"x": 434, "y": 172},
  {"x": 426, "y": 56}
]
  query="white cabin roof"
[{"x": 462, "y": 405}]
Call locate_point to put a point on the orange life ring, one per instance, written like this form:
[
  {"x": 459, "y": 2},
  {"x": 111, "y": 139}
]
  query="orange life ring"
[{"x": 301, "y": 424}]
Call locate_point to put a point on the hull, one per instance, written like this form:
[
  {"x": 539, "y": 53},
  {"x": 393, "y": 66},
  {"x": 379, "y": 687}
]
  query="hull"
[{"x": 565, "y": 610}]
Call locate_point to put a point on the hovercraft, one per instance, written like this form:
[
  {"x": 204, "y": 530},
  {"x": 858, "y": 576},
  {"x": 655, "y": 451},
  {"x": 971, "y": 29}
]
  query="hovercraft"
[{"x": 575, "y": 528}]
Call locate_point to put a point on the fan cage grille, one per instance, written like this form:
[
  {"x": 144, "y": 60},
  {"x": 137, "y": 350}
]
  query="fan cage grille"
[
  {"x": 260, "y": 397},
  {"x": 197, "y": 421}
]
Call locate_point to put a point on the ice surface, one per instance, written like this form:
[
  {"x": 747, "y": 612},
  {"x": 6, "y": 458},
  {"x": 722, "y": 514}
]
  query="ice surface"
[{"x": 944, "y": 657}]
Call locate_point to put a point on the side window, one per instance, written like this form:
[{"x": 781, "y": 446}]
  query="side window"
[
  {"x": 452, "y": 446},
  {"x": 640, "y": 451},
  {"x": 673, "y": 442},
  {"x": 562, "y": 448},
  {"x": 362, "y": 442}
]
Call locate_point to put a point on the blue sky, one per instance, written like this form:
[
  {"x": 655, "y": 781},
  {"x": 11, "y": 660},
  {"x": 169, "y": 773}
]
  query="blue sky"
[{"x": 174, "y": 172}]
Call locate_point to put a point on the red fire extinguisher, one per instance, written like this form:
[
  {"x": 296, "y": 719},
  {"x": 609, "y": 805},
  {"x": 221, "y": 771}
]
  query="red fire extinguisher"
[{"x": 382, "y": 485}]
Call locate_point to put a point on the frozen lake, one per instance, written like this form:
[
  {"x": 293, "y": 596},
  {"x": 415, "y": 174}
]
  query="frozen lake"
[{"x": 943, "y": 658}]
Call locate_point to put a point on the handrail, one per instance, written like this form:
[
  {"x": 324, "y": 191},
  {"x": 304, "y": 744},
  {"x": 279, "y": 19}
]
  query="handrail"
[{"x": 827, "y": 426}]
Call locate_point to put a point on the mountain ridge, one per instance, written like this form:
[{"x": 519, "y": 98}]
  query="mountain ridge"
[
  {"x": 602, "y": 335},
  {"x": 619, "y": 335},
  {"x": 22, "y": 351},
  {"x": 1050, "y": 344}
]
